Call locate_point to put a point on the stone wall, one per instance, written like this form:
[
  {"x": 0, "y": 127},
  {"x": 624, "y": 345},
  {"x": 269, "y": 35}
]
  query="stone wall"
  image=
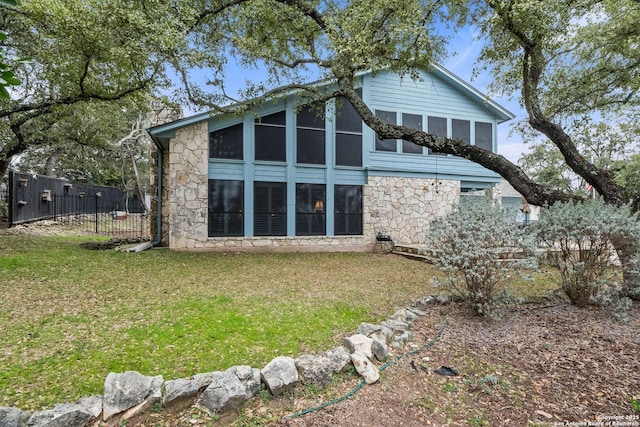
[
  {"x": 288, "y": 243},
  {"x": 186, "y": 187},
  {"x": 404, "y": 207}
]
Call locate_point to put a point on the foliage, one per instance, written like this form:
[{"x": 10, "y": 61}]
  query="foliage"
[
  {"x": 571, "y": 62},
  {"x": 86, "y": 56},
  {"x": 580, "y": 242},
  {"x": 480, "y": 246},
  {"x": 7, "y": 76},
  {"x": 627, "y": 174},
  {"x": 79, "y": 143},
  {"x": 608, "y": 146}
]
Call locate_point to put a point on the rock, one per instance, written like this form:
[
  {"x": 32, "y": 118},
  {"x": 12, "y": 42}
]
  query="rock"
[
  {"x": 379, "y": 336},
  {"x": 359, "y": 342},
  {"x": 154, "y": 397},
  {"x": 178, "y": 391},
  {"x": 368, "y": 328},
  {"x": 129, "y": 390},
  {"x": 204, "y": 380},
  {"x": 280, "y": 375},
  {"x": 314, "y": 370},
  {"x": 13, "y": 417},
  {"x": 339, "y": 359},
  {"x": 396, "y": 325},
  {"x": 401, "y": 339},
  {"x": 387, "y": 332},
  {"x": 249, "y": 377},
  {"x": 433, "y": 299},
  {"x": 379, "y": 349},
  {"x": 77, "y": 414},
  {"x": 417, "y": 311},
  {"x": 225, "y": 393},
  {"x": 442, "y": 299},
  {"x": 404, "y": 315},
  {"x": 365, "y": 368}
]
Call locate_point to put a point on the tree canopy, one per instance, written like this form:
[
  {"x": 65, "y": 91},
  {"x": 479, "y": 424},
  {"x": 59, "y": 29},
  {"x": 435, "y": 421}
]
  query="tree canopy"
[
  {"x": 567, "y": 61},
  {"x": 85, "y": 55}
]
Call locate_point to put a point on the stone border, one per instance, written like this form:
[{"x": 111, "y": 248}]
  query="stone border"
[{"x": 130, "y": 393}]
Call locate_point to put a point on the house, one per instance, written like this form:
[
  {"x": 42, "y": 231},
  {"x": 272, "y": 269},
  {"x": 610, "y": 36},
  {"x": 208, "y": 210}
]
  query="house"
[{"x": 284, "y": 177}]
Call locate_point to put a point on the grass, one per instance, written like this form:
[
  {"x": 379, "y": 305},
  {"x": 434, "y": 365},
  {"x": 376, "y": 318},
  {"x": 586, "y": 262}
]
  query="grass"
[{"x": 69, "y": 316}]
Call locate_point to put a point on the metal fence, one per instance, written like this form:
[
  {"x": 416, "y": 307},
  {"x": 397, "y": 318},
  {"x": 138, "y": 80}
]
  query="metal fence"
[{"x": 84, "y": 207}]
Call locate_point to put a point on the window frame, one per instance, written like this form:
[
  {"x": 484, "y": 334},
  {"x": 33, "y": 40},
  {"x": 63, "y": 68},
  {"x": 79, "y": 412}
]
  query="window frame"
[
  {"x": 455, "y": 130},
  {"x": 343, "y": 218},
  {"x": 409, "y": 147},
  {"x": 218, "y": 151},
  {"x": 270, "y": 146},
  {"x": 430, "y": 151},
  {"x": 274, "y": 215},
  {"x": 476, "y": 139},
  {"x": 226, "y": 213},
  {"x": 345, "y": 136},
  {"x": 311, "y": 218},
  {"x": 311, "y": 127},
  {"x": 379, "y": 143}
]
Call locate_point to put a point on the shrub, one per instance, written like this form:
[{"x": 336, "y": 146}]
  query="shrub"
[
  {"x": 579, "y": 240},
  {"x": 481, "y": 246}
]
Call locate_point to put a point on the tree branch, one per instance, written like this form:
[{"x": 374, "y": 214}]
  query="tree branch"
[{"x": 533, "y": 192}]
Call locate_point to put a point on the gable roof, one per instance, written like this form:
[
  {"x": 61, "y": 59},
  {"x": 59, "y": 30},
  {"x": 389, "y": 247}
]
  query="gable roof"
[{"x": 162, "y": 133}]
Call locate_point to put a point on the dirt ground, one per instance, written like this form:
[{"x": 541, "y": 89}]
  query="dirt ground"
[{"x": 539, "y": 366}]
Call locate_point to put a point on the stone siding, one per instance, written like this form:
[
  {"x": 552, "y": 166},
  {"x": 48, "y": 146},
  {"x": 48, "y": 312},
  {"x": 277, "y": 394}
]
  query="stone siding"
[
  {"x": 186, "y": 188},
  {"x": 404, "y": 207}
]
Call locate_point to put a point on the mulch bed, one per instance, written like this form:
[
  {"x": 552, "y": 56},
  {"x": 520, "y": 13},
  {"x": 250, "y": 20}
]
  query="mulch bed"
[{"x": 540, "y": 365}]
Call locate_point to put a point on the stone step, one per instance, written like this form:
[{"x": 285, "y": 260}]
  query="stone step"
[{"x": 411, "y": 252}]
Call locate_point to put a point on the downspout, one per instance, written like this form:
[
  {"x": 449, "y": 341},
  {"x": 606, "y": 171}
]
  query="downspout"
[{"x": 159, "y": 219}]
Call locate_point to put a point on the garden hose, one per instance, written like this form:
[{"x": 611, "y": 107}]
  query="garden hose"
[{"x": 362, "y": 383}]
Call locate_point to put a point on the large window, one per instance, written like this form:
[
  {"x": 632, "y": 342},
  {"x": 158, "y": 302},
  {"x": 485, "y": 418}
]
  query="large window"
[
  {"x": 310, "y": 209},
  {"x": 461, "y": 129},
  {"x": 386, "y": 144},
  {"x": 484, "y": 135},
  {"x": 348, "y": 133},
  {"x": 413, "y": 121},
  {"x": 437, "y": 127},
  {"x": 226, "y": 143},
  {"x": 270, "y": 137},
  {"x": 348, "y": 210},
  {"x": 310, "y": 135},
  {"x": 270, "y": 209},
  {"x": 226, "y": 208}
]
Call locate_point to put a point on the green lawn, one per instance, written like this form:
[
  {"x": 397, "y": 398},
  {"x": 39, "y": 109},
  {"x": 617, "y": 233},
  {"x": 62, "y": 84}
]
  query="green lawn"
[{"x": 69, "y": 316}]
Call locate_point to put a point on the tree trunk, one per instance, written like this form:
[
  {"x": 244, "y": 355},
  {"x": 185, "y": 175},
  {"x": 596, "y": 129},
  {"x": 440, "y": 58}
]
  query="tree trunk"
[
  {"x": 138, "y": 186},
  {"x": 52, "y": 159}
]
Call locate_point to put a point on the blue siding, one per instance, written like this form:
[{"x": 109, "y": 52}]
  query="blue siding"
[
  {"x": 310, "y": 175},
  {"x": 350, "y": 177},
  {"x": 430, "y": 96},
  {"x": 270, "y": 173},
  {"x": 226, "y": 169}
]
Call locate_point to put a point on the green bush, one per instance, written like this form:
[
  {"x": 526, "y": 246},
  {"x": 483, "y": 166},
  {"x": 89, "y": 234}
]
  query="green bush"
[
  {"x": 482, "y": 247},
  {"x": 579, "y": 240}
]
